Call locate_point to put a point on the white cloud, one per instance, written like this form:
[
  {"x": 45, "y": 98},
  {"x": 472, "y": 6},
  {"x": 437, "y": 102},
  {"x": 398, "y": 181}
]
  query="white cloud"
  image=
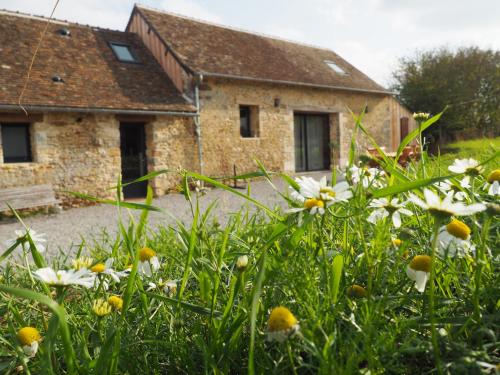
[{"x": 189, "y": 8}]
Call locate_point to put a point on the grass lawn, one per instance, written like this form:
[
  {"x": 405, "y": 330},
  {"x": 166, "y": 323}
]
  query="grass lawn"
[{"x": 361, "y": 277}]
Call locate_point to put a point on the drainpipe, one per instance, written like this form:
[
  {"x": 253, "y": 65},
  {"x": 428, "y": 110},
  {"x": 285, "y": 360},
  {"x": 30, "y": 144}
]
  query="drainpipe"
[{"x": 197, "y": 122}]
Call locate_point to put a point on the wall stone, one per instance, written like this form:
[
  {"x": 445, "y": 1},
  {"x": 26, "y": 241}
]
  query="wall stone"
[{"x": 220, "y": 101}]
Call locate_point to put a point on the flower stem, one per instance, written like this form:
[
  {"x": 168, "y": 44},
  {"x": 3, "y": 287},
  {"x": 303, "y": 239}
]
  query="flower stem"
[
  {"x": 479, "y": 268},
  {"x": 435, "y": 344}
]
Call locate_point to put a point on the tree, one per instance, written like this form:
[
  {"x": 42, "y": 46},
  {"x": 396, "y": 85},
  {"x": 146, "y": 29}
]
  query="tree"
[{"x": 467, "y": 80}]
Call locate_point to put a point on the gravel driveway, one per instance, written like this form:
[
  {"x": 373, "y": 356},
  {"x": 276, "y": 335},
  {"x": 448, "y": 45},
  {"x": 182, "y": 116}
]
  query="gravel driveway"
[{"x": 65, "y": 230}]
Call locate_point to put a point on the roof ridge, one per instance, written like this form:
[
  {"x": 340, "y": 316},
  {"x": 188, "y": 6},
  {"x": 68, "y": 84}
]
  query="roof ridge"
[
  {"x": 233, "y": 28},
  {"x": 53, "y": 20}
]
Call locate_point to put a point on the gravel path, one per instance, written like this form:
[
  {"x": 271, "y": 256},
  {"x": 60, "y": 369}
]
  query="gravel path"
[{"x": 64, "y": 231}]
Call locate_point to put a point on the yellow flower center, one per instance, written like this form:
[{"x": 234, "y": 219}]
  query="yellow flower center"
[
  {"x": 281, "y": 319},
  {"x": 494, "y": 176},
  {"x": 313, "y": 202},
  {"x": 28, "y": 335},
  {"x": 458, "y": 229},
  {"x": 357, "y": 291},
  {"x": 397, "y": 242},
  {"x": 328, "y": 192},
  {"x": 115, "y": 302},
  {"x": 80, "y": 263},
  {"x": 98, "y": 268},
  {"x": 421, "y": 263},
  {"x": 146, "y": 254},
  {"x": 101, "y": 307}
]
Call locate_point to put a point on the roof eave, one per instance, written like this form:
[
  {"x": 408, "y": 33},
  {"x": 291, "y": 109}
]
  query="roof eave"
[
  {"x": 46, "y": 108},
  {"x": 293, "y": 83}
]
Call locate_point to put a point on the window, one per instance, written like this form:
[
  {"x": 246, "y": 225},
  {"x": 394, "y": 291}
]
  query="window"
[
  {"x": 249, "y": 121},
  {"x": 335, "y": 67},
  {"x": 122, "y": 52},
  {"x": 16, "y": 143}
]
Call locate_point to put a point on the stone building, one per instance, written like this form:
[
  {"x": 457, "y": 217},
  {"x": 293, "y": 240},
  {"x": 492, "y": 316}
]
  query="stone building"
[{"x": 172, "y": 92}]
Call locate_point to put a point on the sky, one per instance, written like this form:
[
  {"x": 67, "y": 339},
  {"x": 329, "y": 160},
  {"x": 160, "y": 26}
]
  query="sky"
[{"x": 371, "y": 34}]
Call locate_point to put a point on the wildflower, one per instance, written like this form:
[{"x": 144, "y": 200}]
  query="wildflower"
[
  {"x": 493, "y": 183},
  {"x": 81, "y": 277},
  {"x": 148, "y": 261},
  {"x": 445, "y": 208},
  {"x": 418, "y": 270},
  {"x": 446, "y": 186},
  {"x": 83, "y": 262},
  {"x": 453, "y": 239},
  {"x": 37, "y": 238},
  {"x": 357, "y": 291},
  {"x": 314, "y": 195},
  {"x": 105, "y": 269},
  {"x": 396, "y": 242},
  {"x": 468, "y": 166},
  {"x": 421, "y": 116},
  {"x": 242, "y": 263},
  {"x": 281, "y": 324},
  {"x": 101, "y": 308},
  {"x": 116, "y": 303},
  {"x": 366, "y": 176},
  {"x": 170, "y": 287},
  {"x": 384, "y": 207},
  {"x": 29, "y": 337}
]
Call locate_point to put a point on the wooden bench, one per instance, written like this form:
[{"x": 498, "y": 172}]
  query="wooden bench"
[{"x": 28, "y": 197}]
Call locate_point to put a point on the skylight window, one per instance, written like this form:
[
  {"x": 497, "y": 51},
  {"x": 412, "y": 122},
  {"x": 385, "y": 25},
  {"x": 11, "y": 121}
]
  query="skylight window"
[
  {"x": 335, "y": 67},
  {"x": 123, "y": 52}
]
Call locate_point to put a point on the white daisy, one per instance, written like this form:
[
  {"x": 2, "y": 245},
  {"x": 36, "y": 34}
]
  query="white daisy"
[
  {"x": 384, "y": 207},
  {"x": 316, "y": 195},
  {"x": 446, "y": 207},
  {"x": 366, "y": 176},
  {"x": 106, "y": 269},
  {"x": 469, "y": 166},
  {"x": 148, "y": 261},
  {"x": 454, "y": 239},
  {"x": 37, "y": 238},
  {"x": 81, "y": 277},
  {"x": 446, "y": 186},
  {"x": 419, "y": 271},
  {"x": 492, "y": 185}
]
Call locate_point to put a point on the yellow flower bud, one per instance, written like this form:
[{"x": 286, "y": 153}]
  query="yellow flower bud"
[
  {"x": 146, "y": 254},
  {"x": 101, "y": 308},
  {"x": 115, "y": 302},
  {"x": 458, "y": 229},
  {"x": 357, "y": 291},
  {"x": 28, "y": 335},
  {"x": 421, "y": 263},
  {"x": 98, "y": 268}
]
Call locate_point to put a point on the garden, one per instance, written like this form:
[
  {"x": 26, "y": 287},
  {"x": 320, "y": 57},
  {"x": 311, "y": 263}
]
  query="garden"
[{"x": 387, "y": 270}]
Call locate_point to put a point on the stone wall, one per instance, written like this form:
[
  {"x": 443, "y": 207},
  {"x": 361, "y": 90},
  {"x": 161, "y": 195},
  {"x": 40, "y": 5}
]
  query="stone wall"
[
  {"x": 81, "y": 153},
  {"x": 223, "y": 146},
  {"x": 170, "y": 144}
]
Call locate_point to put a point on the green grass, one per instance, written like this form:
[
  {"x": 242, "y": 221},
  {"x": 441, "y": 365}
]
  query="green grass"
[{"x": 216, "y": 320}]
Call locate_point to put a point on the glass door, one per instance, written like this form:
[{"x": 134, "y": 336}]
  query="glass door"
[{"x": 312, "y": 142}]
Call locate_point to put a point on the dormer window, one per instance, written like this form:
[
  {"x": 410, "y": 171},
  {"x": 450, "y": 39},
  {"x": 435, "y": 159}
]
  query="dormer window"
[
  {"x": 123, "y": 52},
  {"x": 335, "y": 67}
]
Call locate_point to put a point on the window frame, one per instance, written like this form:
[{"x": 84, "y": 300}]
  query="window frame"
[
  {"x": 121, "y": 44},
  {"x": 29, "y": 149}
]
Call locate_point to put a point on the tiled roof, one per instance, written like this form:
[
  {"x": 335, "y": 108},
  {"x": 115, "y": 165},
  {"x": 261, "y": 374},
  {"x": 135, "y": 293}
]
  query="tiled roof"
[
  {"x": 213, "y": 49},
  {"x": 93, "y": 76}
]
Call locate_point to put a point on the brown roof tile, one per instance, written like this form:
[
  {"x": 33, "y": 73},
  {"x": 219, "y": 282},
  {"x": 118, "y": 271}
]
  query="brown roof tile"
[
  {"x": 212, "y": 49},
  {"x": 93, "y": 77}
]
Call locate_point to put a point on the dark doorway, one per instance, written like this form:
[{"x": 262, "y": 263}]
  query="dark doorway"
[
  {"x": 312, "y": 142},
  {"x": 403, "y": 127},
  {"x": 134, "y": 163}
]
